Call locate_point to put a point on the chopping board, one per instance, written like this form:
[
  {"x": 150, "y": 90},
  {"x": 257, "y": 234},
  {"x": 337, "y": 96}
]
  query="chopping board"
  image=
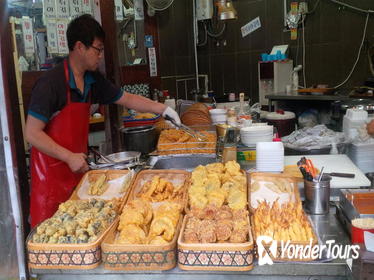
[{"x": 335, "y": 163}]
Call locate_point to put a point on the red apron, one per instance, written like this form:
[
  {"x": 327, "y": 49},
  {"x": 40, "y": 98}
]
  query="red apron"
[{"x": 52, "y": 181}]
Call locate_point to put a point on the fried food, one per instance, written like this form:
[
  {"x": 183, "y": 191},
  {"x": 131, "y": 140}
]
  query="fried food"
[
  {"x": 142, "y": 206},
  {"x": 162, "y": 226},
  {"x": 217, "y": 184},
  {"x": 126, "y": 182},
  {"x": 212, "y": 224},
  {"x": 98, "y": 186},
  {"x": 131, "y": 234},
  {"x": 77, "y": 221},
  {"x": 157, "y": 240},
  {"x": 282, "y": 222},
  {"x": 236, "y": 199},
  {"x": 276, "y": 184},
  {"x": 159, "y": 189},
  {"x": 223, "y": 230},
  {"x": 173, "y": 141},
  {"x": 148, "y": 226}
]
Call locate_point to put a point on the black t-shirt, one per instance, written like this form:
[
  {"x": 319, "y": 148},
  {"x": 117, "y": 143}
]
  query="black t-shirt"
[{"x": 48, "y": 95}]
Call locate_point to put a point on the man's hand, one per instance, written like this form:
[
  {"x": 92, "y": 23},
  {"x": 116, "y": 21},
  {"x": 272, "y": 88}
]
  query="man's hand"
[
  {"x": 370, "y": 128},
  {"x": 77, "y": 162},
  {"x": 172, "y": 114}
]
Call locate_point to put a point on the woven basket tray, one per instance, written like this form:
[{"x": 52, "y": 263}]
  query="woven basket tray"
[
  {"x": 295, "y": 196},
  {"x": 278, "y": 256},
  {"x": 139, "y": 256},
  {"x": 65, "y": 256},
  {"x": 74, "y": 256},
  {"x": 215, "y": 256},
  {"x": 80, "y": 191}
]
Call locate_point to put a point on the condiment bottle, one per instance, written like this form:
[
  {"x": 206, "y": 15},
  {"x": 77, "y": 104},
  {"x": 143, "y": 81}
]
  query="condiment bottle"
[
  {"x": 229, "y": 149},
  {"x": 231, "y": 117}
]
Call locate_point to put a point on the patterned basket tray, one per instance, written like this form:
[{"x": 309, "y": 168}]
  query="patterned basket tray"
[
  {"x": 80, "y": 191},
  {"x": 145, "y": 257},
  {"x": 138, "y": 257},
  {"x": 262, "y": 176},
  {"x": 294, "y": 196},
  {"x": 64, "y": 256},
  {"x": 75, "y": 256},
  {"x": 215, "y": 256}
]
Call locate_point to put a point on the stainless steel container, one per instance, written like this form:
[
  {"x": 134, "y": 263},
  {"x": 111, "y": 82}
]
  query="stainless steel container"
[
  {"x": 317, "y": 195},
  {"x": 370, "y": 176},
  {"x": 142, "y": 139}
]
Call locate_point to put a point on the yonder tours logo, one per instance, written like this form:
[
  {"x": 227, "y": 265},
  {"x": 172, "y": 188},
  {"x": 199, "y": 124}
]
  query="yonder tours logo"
[{"x": 266, "y": 253}]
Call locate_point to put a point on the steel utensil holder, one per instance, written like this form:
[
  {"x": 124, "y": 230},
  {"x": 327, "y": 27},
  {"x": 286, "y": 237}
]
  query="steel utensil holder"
[{"x": 317, "y": 195}]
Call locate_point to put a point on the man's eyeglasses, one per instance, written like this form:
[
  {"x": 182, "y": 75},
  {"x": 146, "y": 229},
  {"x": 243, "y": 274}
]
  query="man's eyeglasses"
[{"x": 100, "y": 50}]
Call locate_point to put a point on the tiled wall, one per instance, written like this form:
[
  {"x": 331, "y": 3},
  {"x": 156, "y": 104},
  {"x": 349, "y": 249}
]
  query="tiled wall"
[{"x": 332, "y": 37}]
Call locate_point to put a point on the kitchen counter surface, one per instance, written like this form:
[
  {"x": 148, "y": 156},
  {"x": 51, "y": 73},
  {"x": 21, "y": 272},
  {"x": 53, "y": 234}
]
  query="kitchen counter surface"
[
  {"x": 335, "y": 163},
  {"x": 326, "y": 226}
]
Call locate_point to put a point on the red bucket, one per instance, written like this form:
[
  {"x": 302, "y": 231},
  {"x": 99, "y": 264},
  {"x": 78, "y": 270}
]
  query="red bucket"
[{"x": 357, "y": 234}]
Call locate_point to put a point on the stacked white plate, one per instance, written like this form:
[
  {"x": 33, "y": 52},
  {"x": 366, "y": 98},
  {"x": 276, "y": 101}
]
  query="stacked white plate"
[
  {"x": 362, "y": 154},
  {"x": 269, "y": 156},
  {"x": 218, "y": 116},
  {"x": 251, "y": 135}
]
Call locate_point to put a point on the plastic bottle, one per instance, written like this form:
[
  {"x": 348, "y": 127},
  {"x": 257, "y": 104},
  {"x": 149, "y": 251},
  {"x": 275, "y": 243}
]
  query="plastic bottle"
[
  {"x": 334, "y": 149},
  {"x": 295, "y": 81}
]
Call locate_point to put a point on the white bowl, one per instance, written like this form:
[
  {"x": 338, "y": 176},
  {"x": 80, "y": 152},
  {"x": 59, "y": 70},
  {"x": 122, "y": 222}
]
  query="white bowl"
[{"x": 218, "y": 116}]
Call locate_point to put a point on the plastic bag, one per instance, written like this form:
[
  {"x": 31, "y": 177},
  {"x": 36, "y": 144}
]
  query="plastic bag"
[{"x": 308, "y": 119}]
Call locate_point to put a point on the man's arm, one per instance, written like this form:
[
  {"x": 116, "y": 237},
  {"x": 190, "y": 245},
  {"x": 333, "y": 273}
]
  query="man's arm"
[
  {"x": 35, "y": 135},
  {"x": 140, "y": 103}
]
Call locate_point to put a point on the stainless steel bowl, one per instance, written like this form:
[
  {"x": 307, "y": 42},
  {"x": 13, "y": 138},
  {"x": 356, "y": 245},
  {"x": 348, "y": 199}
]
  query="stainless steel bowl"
[{"x": 122, "y": 157}]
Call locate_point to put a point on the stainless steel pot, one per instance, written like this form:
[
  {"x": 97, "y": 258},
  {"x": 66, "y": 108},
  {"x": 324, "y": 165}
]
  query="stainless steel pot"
[{"x": 142, "y": 139}]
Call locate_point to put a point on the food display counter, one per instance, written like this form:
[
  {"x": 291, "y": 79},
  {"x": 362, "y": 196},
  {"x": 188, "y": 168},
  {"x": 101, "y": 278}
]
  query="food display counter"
[{"x": 326, "y": 226}]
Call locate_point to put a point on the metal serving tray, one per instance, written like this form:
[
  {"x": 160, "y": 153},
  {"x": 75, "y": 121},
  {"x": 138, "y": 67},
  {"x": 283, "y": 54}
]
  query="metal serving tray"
[
  {"x": 348, "y": 208},
  {"x": 186, "y": 161}
]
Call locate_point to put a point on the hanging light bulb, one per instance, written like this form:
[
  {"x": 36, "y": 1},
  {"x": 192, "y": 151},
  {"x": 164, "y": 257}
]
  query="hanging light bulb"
[{"x": 226, "y": 10}]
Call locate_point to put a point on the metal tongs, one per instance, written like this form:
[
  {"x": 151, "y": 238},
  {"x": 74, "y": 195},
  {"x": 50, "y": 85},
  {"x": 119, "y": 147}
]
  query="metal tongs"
[
  {"x": 195, "y": 134},
  {"x": 100, "y": 155}
]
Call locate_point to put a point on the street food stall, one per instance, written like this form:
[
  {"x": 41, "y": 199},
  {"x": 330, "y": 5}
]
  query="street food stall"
[{"x": 233, "y": 186}]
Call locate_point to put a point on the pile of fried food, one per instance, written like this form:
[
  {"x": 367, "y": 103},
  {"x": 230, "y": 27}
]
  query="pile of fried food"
[
  {"x": 174, "y": 141},
  {"x": 140, "y": 224},
  {"x": 99, "y": 183},
  {"x": 276, "y": 184},
  {"x": 218, "y": 184},
  {"x": 77, "y": 221},
  {"x": 213, "y": 224},
  {"x": 282, "y": 222},
  {"x": 160, "y": 189}
]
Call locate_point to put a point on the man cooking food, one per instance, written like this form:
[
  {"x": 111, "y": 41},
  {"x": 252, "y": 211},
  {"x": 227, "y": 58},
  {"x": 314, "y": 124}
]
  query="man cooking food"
[{"x": 57, "y": 124}]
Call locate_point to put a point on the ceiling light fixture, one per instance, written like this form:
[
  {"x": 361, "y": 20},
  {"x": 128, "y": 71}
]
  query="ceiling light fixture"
[{"x": 226, "y": 10}]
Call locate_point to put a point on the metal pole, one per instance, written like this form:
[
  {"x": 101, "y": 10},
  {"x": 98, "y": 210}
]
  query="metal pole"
[{"x": 12, "y": 184}]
